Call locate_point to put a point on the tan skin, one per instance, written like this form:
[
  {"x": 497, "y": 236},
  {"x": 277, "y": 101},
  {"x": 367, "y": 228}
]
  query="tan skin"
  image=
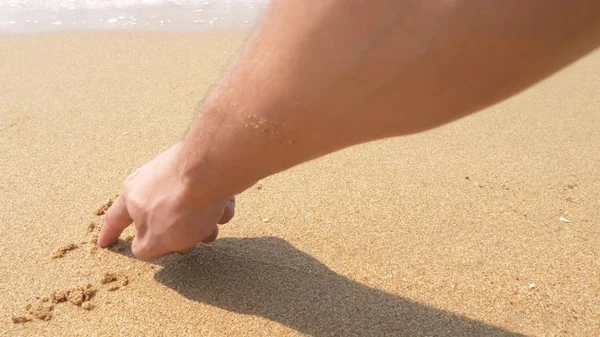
[{"x": 319, "y": 76}]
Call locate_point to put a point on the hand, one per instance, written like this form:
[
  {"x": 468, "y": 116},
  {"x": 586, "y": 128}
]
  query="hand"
[{"x": 169, "y": 215}]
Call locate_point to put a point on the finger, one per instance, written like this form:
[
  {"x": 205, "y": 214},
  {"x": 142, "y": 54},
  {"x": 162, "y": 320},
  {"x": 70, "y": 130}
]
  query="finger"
[
  {"x": 211, "y": 237},
  {"x": 229, "y": 211},
  {"x": 146, "y": 251},
  {"x": 116, "y": 220}
]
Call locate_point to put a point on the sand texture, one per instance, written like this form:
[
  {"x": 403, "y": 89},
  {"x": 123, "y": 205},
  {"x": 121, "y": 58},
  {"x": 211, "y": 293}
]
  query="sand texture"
[{"x": 489, "y": 226}]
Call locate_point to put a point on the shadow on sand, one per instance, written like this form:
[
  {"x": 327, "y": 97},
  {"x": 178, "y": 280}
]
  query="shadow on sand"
[{"x": 268, "y": 277}]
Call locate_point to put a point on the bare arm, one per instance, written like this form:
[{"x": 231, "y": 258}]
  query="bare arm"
[{"x": 318, "y": 76}]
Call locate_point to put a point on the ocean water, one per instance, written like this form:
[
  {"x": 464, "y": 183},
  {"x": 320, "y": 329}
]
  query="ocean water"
[{"x": 150, "y": 15}]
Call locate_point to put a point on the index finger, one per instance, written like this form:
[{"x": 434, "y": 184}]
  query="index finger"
[{"x": 116, "y": 220}]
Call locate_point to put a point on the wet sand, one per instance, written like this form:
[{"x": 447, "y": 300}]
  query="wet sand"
[{"x": 484, "y": 227}]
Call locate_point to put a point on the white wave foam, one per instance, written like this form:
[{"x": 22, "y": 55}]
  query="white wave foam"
[
  {"x": 44, "y": 15},
  {"x": 58, "y": 5}
]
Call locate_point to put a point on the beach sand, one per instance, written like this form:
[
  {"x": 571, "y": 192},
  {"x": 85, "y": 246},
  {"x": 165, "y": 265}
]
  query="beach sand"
[{"x": 487, "y": 226}]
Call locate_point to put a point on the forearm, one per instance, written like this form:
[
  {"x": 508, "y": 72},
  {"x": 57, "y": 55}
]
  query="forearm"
[{"x": 318, "y": 76}]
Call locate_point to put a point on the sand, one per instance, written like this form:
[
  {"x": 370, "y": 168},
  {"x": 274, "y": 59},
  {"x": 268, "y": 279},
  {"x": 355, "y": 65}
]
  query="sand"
[{"x": 459, "y": 231}]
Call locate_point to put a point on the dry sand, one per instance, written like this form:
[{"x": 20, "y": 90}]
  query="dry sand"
[{"x": 454, "y": 232}]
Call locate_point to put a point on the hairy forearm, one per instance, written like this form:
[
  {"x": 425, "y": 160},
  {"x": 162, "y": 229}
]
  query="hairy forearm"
[{"x": 318, "y": 76}]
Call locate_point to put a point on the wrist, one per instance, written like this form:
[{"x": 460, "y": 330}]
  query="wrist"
[{"x": 208, "y": 167}]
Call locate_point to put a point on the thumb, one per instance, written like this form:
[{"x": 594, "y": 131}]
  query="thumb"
[
  {"x": 116, "y": 220},
  {"x": 229, "y": 211}
]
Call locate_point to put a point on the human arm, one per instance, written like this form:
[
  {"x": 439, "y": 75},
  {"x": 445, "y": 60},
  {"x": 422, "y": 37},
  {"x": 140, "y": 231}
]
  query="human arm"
[{"x": 318, "y": 76}]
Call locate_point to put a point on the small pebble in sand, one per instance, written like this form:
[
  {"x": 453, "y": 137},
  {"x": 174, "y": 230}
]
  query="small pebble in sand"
[
  {"x": 113, "y": 277},
  {"x": 91, "y": 226},
  {"x": 266, "y": 220},
  {"x": 93, "y": 250},
  {"x": 20, "y": 319},
  {"x": 77, "y": 295},
  {"x": 60, "y": 296},
  {"x": 40, "y": 310},
  {"x": 102, "y": 209},
  {"x": 108, "y": 278},
  {"x": 531, "y": 285},
  {"x": 63, "y": 250},
  {"x": 87, "y": 305},
  {"x": 80, "y": 295},
  {"x": 565, "y": 220}
]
